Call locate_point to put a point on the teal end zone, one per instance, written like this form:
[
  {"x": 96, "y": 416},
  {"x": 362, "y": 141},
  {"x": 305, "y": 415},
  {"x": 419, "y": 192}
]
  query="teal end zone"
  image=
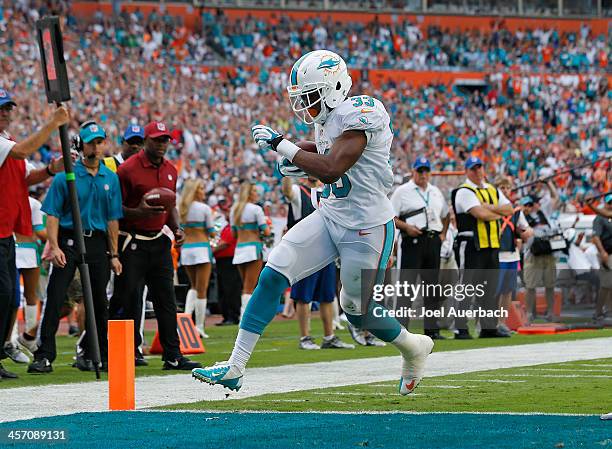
[{"x": 317, "y": 430}]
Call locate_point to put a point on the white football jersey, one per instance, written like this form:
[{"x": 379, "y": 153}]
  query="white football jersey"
[{"x": 358, "y": 200}]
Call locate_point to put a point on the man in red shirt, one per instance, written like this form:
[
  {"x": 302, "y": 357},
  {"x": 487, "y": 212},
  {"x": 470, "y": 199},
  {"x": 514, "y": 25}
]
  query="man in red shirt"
[
  {"x": 228, "y": 277},
  {"x": 145, "y": 249},
  {"x": 15, "y": 214}
]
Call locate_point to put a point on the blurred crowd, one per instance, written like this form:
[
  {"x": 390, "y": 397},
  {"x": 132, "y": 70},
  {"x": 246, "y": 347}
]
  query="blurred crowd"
[{"x": 133, "y": 69}]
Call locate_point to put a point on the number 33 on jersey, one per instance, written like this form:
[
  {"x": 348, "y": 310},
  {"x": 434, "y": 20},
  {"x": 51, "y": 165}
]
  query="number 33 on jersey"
[{"x": 358, "y": 200}]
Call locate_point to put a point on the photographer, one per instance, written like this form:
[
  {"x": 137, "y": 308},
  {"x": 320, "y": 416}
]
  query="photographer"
[
  {"x": 99, "y": 197},
  {"x": 602, "y": 238},
  {"x": 540, "y": 263}
]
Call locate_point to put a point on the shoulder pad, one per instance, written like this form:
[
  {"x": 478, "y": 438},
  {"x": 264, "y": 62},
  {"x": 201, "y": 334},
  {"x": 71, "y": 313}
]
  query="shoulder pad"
[{"x": 356, "y": 113}]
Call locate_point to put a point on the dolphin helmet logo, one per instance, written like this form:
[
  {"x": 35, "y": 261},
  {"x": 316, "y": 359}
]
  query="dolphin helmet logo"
[{"x": 329, "y": 63}]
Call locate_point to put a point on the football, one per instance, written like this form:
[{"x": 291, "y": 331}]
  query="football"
[
  {"x": 161, "y": 196},
  {"x": 307, "y": 145}
]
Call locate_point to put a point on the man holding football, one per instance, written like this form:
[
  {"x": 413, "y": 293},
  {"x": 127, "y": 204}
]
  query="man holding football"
[
  {"x": 144, "y": 248},
  {"x": 353, "y": 222}
]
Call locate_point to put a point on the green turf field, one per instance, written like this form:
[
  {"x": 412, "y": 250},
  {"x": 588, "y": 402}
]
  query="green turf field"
[
  {"x": 277, "y": 347},
  {"x": 572, "y": 387}
]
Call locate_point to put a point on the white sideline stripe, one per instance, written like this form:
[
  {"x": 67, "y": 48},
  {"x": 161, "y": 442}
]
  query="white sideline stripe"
[
  {"x": 364, "y": 412},
  {"x": 153, "y": 391}
]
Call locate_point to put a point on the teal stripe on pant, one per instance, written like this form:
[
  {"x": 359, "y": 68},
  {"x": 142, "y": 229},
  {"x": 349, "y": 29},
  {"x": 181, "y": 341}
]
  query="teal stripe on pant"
[
  {"x": 376, "y": 320},
  {"x": 265, "y": 299}
]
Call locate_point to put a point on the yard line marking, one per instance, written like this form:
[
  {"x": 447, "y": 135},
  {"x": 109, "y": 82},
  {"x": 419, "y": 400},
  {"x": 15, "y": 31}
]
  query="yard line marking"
[
  {"x": 591, "y": 364},
  {"x": 152, "y": 391},
  {"x": 492, "y": 381},
  {"x": 420, "y": 386},
  {"x": 568, "y": 369},
  {"x": 554, "y": 376}
]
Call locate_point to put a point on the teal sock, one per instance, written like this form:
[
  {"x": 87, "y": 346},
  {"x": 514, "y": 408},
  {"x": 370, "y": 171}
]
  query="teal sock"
[
  {"x": 265, "y": 299},
  {"x": 377, "y": 322}
]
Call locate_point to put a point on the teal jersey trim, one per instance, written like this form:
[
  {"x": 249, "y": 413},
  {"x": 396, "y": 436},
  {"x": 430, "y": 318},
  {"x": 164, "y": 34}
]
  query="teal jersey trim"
[
  {"x": 197, "y": 245},
  {"x": 257, "y": 245},
  {"x": 246, "y": 227},
  {"x": 386, "y": 251},
  {"x": 39, "y": 227},
  {"x": 195, "y": 224},
  {"x": 31, "y": 245}
]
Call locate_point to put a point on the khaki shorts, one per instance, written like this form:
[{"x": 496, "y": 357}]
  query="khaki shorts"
[
  {"x": 605, "y": 275},
  {"x": 540, "y": 271},
  {"x": 74, "y": 295}
]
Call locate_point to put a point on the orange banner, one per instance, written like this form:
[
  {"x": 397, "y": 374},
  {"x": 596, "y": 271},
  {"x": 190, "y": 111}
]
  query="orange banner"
[{"x": 191, "y": 17}]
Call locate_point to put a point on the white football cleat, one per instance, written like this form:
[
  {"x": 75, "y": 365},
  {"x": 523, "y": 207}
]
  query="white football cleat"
[
  {"x": 221, "y": 373},
  {"x": 413, "y": 368}
]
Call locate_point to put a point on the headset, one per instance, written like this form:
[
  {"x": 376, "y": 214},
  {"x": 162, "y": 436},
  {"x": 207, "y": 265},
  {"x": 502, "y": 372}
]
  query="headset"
[{"x": 76, "y": 143}]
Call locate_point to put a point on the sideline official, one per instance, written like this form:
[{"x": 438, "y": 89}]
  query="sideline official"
[
  {"x": 145, "y": 249},
  {"x": 478, "y": 208},
  {"x": 422, "y": 216},
  {"x": 15, "y": 214},
  {"x": 100, "y": 203}
]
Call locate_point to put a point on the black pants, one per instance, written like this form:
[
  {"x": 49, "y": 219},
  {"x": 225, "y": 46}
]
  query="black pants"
[
  {"x": 149, "y": 261},
  {"x": 421, "y": 255},
  {"x": 135, "y": 309},
  {"x": 229, "y": 284},
  {"x": 8, "y": 274},
  {"x": 59, "y": 280},
  {"x": 478, "y": 267}
]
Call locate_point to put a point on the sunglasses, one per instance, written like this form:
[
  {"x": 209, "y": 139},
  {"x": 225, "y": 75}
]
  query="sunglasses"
[
  {"x": 528, "y": 204},
  {"x": 422, "y": 170},
  {"x": 475, "y": 167}
]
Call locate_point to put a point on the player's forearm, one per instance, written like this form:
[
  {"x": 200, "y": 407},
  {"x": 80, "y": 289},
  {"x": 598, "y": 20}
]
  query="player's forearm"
[
  {"x": 445, "y": 223},
  {"x": 286, "y": 185},
  {"x": 320, "y": 166},
  {"x": 52, "y": 230},
  {"x": 173, "y": 221},
  {"x": 597, "y": 242},
  {"x": 482, "y": 213},
  {"x": 113, "y": 236},
  {"x": 37, "y": 176},
  {"x": 31, "y": 144},
  {"x": 401, "y": 225},
  {"x": 503, "y": 211}
]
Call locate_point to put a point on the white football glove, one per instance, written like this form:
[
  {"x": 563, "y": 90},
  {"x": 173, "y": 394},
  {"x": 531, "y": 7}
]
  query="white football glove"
[
  {"x": 264, "y": 135},
  {"x": 288, "y": 170}
]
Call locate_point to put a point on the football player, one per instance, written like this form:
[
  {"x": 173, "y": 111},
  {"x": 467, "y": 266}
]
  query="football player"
[{"x": 354, "y": 221}]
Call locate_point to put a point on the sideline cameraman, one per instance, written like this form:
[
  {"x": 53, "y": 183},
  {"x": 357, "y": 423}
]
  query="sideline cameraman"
[{"x": 540, "y": 263}]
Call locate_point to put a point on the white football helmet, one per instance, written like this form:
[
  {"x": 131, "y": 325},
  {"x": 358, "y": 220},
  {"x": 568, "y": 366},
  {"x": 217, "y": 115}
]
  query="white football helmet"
[{"x": 318, "y": 77}]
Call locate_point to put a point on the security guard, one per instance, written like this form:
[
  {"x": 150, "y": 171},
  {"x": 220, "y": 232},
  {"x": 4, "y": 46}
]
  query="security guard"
[
  {"x": 422, "y": 216},
  {"x": 478, "y": 207},
  {"x": 99, "y": 197},
  {"x": 131, "y": 143}
]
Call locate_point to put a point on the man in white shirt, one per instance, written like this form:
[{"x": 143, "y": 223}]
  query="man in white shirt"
[
  {"x": 422, "y": 216},
  {"x": 479, "y": 207},
  {"x": 15, "y": 215}
]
